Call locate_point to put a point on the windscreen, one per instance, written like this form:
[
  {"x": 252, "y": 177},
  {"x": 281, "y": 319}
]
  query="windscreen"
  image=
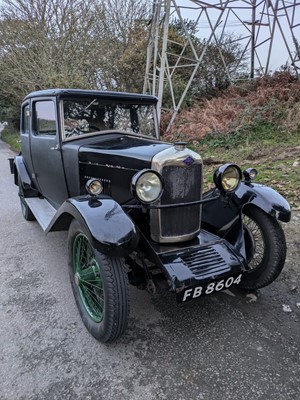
[{"x": 88, "y": 115}]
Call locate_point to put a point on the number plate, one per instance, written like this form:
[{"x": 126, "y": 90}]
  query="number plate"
[{"x": 208, "y": 288}]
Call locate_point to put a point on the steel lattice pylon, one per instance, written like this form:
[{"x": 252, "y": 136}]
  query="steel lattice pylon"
[{"x": 260, "y": 24}]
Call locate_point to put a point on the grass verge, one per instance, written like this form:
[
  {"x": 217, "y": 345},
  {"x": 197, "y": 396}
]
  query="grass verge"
[
  {"x": 275, "y": 155},
  {"x": 12, "y": 138}
]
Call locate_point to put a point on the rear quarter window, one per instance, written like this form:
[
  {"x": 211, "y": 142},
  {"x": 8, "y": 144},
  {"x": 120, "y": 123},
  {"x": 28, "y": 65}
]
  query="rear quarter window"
[{"x": 25, "y": 119}]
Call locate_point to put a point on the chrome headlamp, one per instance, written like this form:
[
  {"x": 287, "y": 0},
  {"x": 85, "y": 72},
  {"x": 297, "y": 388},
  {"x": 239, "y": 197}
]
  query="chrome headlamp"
[
  {"x": 147, "y": 186},
  {"x": 94, "y": 187},
  {"x": 228, "y": 177}
]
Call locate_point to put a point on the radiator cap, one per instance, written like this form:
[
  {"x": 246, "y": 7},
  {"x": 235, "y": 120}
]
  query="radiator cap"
[{"x": 180, "y": 145}]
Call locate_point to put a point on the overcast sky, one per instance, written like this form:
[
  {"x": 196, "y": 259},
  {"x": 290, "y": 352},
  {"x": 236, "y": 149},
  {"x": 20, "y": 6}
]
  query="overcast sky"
[{"x": 279, "y": 52}]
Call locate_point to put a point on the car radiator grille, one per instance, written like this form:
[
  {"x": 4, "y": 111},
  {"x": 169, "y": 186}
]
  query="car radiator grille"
[
  {"x": 205, "y": 262},
  {"x": 182, "y": 185}
]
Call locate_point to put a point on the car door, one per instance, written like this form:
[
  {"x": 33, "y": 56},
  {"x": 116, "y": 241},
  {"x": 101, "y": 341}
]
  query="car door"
[{"x": 46, "y": 151}]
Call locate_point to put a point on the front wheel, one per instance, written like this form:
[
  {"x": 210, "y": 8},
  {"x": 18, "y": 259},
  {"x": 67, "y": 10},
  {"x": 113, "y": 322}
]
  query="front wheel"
[
  {"x": 100, "y": 286},
  {"x": 265, "y": 248}
]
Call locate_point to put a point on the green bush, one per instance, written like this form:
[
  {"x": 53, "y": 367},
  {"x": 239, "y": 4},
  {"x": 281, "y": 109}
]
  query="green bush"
[{"x": 11, "y": 137}]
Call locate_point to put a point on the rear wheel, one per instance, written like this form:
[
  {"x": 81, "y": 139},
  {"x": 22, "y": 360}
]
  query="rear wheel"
[
  {"x": 100, "y": 286},
  {"x": 27, "y": 213},
  {"x": 265, "y": 248}
]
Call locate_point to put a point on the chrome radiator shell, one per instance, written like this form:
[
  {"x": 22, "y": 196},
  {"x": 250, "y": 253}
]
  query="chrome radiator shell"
[{"x": 181, "y": 170}]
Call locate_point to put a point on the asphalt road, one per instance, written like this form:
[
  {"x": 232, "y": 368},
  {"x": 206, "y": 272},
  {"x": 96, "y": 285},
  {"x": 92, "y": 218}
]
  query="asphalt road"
[{"x": 232, "y": 345}]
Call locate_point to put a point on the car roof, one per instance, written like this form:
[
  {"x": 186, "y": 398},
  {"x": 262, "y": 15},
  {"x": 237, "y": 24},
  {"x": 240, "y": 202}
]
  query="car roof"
[{"x": 88, "y": 93}]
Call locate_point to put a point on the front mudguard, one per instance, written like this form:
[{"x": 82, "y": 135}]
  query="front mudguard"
[
  {"x": 224, "y": 215},
  {"x": 108, "y": 227},
  {"x": 225, "y": 209},
  {"x": 265, "y": 198}
]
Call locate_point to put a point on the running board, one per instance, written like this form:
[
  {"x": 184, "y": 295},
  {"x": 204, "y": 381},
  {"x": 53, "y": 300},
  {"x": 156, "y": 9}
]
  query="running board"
[{"x": 42, "y": 210}]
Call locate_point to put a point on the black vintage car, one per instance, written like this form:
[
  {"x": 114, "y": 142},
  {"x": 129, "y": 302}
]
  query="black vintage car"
[{"x": 92, "y": 163}]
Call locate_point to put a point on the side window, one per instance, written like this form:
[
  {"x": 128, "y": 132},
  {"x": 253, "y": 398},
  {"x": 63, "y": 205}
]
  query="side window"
[
  {"x": 25, "y": 119},
  {"x": 44, "y": 118}
]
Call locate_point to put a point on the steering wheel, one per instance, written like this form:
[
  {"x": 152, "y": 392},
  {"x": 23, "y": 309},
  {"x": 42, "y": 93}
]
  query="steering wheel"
[
  {"x": 73, "y": 132},
  {"x": 95, "y": 128}
]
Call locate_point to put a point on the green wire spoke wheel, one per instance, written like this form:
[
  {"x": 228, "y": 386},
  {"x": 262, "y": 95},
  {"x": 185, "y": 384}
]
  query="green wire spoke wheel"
[
  {"x": 100, "y": 286},
  {"x": 87, "y": 277}
]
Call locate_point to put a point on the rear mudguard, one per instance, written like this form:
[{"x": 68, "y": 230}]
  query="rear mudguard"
[
  {"x": 18, "y": 168},
  {"x": 108, "y": 227},
  {"x": 224, "y": 215}
]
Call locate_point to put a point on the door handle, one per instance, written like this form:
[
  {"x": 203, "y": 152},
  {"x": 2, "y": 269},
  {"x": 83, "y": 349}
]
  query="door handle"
[{"x": 55, "y": 147}]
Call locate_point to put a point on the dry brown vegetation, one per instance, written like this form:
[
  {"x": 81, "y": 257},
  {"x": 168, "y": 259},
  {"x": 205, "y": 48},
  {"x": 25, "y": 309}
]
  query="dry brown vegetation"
[{"x": 271, "y": 100}]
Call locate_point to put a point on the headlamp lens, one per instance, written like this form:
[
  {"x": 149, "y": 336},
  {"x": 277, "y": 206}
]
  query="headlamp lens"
[
  {"x": 230, "y": 178},
  {"x": 148, "y": 187}
]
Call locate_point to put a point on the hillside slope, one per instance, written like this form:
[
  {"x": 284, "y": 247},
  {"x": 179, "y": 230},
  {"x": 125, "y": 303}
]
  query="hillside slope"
[{"x": 254, "y": 124}]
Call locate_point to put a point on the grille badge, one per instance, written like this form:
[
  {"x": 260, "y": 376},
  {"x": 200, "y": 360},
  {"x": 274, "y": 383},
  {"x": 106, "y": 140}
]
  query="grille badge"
[{"x": 189, "y": 161}]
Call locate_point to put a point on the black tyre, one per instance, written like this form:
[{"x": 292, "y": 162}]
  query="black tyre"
[
  {"x": 100, "y": 286},
  {"x": 265, "y": 248},
  {"x": 26, "y": 212}
]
